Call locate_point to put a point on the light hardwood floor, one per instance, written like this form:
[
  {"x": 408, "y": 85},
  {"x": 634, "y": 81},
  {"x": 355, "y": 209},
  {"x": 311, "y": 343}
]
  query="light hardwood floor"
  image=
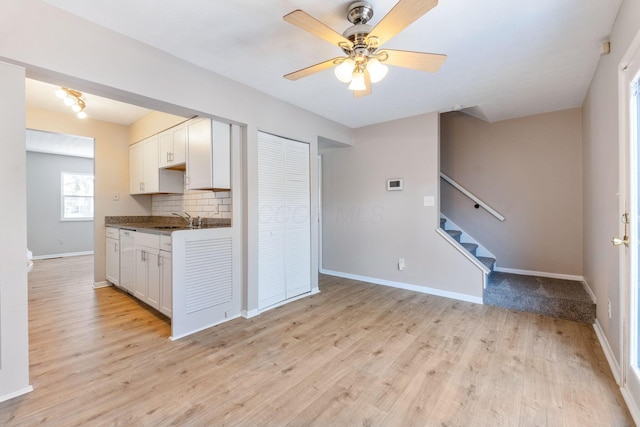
[{"x": 356, "y": 354}]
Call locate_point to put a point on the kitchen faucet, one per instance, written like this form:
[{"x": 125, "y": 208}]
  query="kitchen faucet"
[{"x": 186, "y": 217}]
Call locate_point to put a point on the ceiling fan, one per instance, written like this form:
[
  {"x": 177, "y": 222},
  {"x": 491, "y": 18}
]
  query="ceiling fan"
[{"x": 365, "y": 61}]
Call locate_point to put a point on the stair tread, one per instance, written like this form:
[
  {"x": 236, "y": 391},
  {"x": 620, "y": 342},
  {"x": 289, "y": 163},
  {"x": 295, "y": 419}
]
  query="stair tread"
[
  {"x": 454, "y": 233},
  {"x": 470, "y": 246},
  {"x": 489, "y": 262}
]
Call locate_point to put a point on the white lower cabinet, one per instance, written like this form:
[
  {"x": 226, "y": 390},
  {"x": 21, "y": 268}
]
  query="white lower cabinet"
[
  {"x": 140, "y": 263},
  {"x": 113, "y": 256},
  {"x": 166, "y": 288},
  {"x": 127, "y": 260}
]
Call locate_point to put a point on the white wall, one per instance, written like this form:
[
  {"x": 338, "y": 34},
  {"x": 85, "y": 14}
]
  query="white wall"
[
  {"x": 14, "y": 350},
  {"x": 366, "y": 229},
  {"x": 601, "y": 171},
  {"x": 36, "y": 36},
  {"x": 47, "y": 234},
  {"x": 530, "y": 170}
]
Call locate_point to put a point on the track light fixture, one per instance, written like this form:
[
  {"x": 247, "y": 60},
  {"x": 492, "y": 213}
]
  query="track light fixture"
[{"x": 73, "y": 98}]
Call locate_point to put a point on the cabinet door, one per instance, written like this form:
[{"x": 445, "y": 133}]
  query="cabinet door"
[
  {"x": 153, "y": 279},
  {"x": 151, "y": 180},
  {"x": 199, "y": 154},
  {"x": 141, "y": 273},
  {"x": 165, "y": 144},
  {"x": 179, "y": 136},
  {"x": 127, "y": 260},
  {"x": 136, "y": 168},
  {"x": 113, "y": 261},
  {"x": 166, "y": 290},
  {"x": 208, "y": 154}
]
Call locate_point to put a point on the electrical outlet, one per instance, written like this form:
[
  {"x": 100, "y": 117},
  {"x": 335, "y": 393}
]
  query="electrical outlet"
[
  {"x": 609, "y": 308},
  {"x": 116, "y": 196},
  {"x": 401, "y": 264}
]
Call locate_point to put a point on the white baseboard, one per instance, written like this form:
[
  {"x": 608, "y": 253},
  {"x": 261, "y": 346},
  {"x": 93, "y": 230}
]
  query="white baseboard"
[
  {"x": 589, "y": 291},
  {"x": 248, "y": 314},
  {"x": 16, "y": 394},
  {"x": 103, "y": 284},
  {"x": 172, "y": 338},
  {"x": 406, "y": 286},
  {"x": 606, "y": 348},
  {"x": 540, "y": 274},
  {"x": 631, "y": 404},
  {"x": 63, "y": 255}
]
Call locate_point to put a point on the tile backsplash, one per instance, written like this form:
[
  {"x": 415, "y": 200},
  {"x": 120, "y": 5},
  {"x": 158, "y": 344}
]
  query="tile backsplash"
[{"x": 206, "y": 204}]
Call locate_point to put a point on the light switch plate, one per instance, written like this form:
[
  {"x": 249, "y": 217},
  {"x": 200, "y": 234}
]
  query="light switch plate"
[{"x": 429, "y": 200}]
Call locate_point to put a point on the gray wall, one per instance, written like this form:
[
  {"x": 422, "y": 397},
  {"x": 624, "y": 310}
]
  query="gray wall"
[
  {"x": 46, "y": 233},
  {"x": 366, "y": 229},
  {"x": 528, "y": 169},
  {"x": 601, "y": 172}
]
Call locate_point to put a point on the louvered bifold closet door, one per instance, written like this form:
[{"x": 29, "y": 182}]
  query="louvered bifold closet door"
[
  {"x": 271, "y": 221},
  {"x": 284, "y": 235},
  {"x": 297, "y": 240}
]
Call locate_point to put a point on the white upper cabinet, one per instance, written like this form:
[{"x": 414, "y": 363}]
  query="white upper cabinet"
[
  {"x": 173, "y": 147},
  {"x": 208, "y": 155},
  {"x": 145, "y": 177}
]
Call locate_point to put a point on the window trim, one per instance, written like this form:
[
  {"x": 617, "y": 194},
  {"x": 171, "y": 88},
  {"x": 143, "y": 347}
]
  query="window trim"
[{"x": 62, "y": 197}]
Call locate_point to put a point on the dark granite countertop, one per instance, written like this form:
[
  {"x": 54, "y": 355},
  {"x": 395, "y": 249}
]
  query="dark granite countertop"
[{"x": 161, "y": 224}]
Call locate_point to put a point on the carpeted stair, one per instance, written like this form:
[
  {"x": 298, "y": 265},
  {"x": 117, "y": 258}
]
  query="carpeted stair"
[
  {"x": 563, "y": 299},
  {"x": 471, "y": 247}
]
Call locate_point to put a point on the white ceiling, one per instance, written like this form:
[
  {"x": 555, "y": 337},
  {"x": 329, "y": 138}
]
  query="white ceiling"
[
  {"x": 506, "y": 58},
  {"x": 56, "y": 143},
  {"x": 42, "y": 95}
]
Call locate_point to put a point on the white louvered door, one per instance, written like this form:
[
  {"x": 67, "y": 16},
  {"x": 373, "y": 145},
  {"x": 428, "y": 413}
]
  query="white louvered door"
[{"x": 284, "y": 226}]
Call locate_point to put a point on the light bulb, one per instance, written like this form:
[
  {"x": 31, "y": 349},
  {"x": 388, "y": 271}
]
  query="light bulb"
[
  {"x": 61, "y": 93},
  {"x": 82, "y": 115},
  {"x": 344, "y": 71},
  {"x": 357, "y": 81},
  {"x": 69, "y": 101},
  {"x": 76, "y": 108},
  {"x": 377, "y": 71}
]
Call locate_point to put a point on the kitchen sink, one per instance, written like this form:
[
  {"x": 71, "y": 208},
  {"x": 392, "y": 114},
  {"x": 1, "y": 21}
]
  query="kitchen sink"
[{"x": 167, "y": 227}]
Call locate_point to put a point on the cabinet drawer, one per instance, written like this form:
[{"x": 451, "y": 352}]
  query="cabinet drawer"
[
  {"x": 112, "y": 233},
  {"x": 146, "y": 239},
  {"x": 165, "y": 243}
]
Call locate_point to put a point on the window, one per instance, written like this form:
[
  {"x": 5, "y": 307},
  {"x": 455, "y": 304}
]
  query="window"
[{"x": 77, "y": 196}]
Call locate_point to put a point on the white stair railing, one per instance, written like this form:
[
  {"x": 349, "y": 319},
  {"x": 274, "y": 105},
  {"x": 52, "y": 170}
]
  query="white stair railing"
[{"x": 478, "y": 201}]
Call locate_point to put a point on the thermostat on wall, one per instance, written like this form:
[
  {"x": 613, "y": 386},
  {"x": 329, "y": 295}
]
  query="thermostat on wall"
[{"x": 394, "y": 184}]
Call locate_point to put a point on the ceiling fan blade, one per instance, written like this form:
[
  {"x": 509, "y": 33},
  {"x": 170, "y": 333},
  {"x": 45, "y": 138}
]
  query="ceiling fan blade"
[
  {"x": 367, "y": 85},
  {"x": 430, "y": 62},
  {"x": 303, "y": 20},
  {"x": 399, "y": 17},
  {"x": 313, "y": 69}
]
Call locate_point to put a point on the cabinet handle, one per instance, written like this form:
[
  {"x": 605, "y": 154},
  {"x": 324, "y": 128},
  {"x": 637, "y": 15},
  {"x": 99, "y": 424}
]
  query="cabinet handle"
[
  {"x": 115, "y": 248},
  {"x": 159, "y": 262},
  {"x": 142, "y": 256},
  {"x": 168, "y": 157}
]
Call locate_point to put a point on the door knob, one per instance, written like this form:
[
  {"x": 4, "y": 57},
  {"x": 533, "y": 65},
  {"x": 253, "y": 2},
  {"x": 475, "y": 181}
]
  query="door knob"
[{"x": 616, "y": 241}]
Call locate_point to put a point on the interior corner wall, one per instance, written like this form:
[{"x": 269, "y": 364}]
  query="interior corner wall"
[
  {"x": 111, "y": 171},
  {"x": 14, "y": 342},
  {"x": 47, "y": 234},
  {"x": 601, "y": 179},
  {"x": 366, "y": 228},
  {"x": 528, "y": 169}
]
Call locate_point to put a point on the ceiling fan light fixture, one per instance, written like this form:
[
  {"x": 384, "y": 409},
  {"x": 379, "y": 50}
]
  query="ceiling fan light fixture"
[
  {"x": 344, "y": 71},
  {"x": 357, "y": 81},
  {"x": 61, "y": 93},
  {"x": 377, "y": 70}
]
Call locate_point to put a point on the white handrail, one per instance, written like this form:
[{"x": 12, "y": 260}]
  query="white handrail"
[{"x": 472, "y": 197}]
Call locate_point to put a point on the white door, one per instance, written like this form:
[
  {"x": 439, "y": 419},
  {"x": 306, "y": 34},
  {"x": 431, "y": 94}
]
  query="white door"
[
  {"x": 630, "y": 215},
  {"x": 284, "y": 223}
]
